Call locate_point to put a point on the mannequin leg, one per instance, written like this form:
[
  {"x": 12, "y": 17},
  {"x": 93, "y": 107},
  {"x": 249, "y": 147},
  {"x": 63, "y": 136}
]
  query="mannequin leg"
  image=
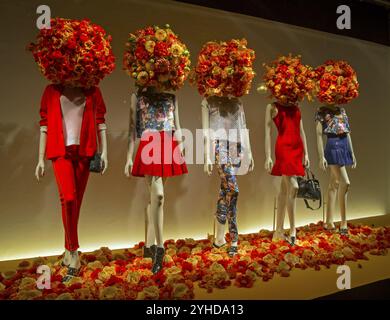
[
  {"x": 281, "y": 210},
  {"x": 292, "y": 191},
  {"x": 149, "y": 229},
  {"x": 156, "y": 208},
  {"x": 232, "y": 213},
  {"x": 222, "y": 208},
  {"x": 332, "y": 195},
  {"x": 342, "y": 195},
  {"x": 71, "y": 175}
]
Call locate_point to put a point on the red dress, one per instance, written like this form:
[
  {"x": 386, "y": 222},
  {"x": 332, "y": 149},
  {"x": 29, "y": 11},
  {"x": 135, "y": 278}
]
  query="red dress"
[{"x": 289, "y": 145}]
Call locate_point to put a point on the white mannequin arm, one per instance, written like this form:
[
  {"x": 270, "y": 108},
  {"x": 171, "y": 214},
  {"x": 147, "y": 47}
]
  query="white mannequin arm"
[
  {"x": 208, "y": 165},
  {"x": 40, "y": 168},
  {"x": 270, "y": 112},
  {"x": 132, "y": 134},
  {"x": 103, "y": 142},
  {"x": 320, "y": 147},
  {"x": 353, "y": 153},
  {"x": 250, "y": 156},
  {"x": 306, "y": 160},
  {"x": 178, "y": 135}
]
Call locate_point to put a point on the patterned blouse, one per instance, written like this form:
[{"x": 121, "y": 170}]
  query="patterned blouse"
[
  {"x": 333, "y": 121},
  {"x": 155, "y": 112}
]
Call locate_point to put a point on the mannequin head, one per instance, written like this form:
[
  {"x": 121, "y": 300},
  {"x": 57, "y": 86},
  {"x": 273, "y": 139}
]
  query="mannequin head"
[
  {"x": 336, "y": 82},
  {"x": 73, "y": 53},
  {"x": 224, "y": 69},
  {"x": 156, "y": 57},
  {"x": 288, "y": 80}
]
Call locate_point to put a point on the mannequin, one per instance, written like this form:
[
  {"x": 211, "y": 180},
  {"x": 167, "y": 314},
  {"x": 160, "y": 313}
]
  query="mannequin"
[
  {"x": 289, "y": 185},
  {"x": 159, "y": 62},
  {"x": 341, "y": 143},
  {"x": 63, "y": 111},
  {"x": 72, "y": 115},
  {"x": 223, "y": 74},
  {"x": 288, "y": 81},
  {"x": 154, "y": 176},
  {"x": 221, "y": 113},
  {"x": 336, "y": 85}
]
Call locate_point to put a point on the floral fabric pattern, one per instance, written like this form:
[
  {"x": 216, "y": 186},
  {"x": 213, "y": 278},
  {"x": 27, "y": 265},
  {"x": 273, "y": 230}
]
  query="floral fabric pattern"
[
  {"x": 333, "y": 122},
  {"x": 228, "y": 160},
  {"x": 155, "y": 113}
]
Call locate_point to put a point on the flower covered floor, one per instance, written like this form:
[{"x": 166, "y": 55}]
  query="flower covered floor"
[{"x": 126, "y": 275}]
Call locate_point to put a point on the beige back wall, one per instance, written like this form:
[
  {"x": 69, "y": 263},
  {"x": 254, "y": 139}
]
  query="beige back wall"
[{"x": 113, "y": 209}]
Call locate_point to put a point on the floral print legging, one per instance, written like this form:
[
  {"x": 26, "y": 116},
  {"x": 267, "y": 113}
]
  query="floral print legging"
[{"x": 227, "y": 164}]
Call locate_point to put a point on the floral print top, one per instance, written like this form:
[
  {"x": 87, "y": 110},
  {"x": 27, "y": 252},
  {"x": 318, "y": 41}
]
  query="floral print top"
[
  {"x": 155, "y": 112},
  {"x": 333, "y": 121}
]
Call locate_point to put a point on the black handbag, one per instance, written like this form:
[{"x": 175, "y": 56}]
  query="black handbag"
[
  {"x": 309, "y": 189},
  {"x": 95, "y": 165}
]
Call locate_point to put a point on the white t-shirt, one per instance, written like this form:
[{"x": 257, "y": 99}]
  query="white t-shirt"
[{"x": 72, "y": 118}]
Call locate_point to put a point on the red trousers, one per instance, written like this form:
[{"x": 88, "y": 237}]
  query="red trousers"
[{"x": 72, "y": 172}]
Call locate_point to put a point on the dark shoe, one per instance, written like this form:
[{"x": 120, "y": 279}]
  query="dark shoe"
[
  {"x": 292, "y": 241},
  {"x": 232, "y": 251},
  {"x": 343, "y": 231},
  {"x": 72, "y": 272},
  {"x": 218, "y": 246},
  {"x": 158, "y": 262},
  {"x": 150, "y": 252}
]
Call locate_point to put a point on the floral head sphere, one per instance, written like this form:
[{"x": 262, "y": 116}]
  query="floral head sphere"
[
  {"x": 74, "y": 52},
  {"x": 288, "y": 80},
  {"x": 337, "y": 82},
  {"x": 156, "y": 57},
  {"x": 224, "y": 69}
]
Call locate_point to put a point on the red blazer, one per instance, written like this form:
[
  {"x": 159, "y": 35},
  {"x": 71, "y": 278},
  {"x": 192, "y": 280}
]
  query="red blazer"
[{"x": 51, "y": 116}]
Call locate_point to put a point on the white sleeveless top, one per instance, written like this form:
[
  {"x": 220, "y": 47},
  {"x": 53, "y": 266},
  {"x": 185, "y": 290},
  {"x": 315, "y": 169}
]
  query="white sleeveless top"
[
  {"x": 226, "y": 118},
  {"x": 72, "y": 118}
]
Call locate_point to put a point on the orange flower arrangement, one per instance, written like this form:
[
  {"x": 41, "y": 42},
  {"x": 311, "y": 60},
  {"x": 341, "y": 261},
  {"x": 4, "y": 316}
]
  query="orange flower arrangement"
[
  {"x": 156, "y": 57},
  {"x": 337, "y": 82},
  {"x": 73, "y": 52},
  {"x": 224, "y": 69},
  {"x": 288, "y": 80},
  {"x": 127, "y": 275}
]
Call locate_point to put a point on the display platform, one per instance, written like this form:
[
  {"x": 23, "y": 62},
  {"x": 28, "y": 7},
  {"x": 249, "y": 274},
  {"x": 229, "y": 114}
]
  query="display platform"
[{"x": 194, "y": 270}]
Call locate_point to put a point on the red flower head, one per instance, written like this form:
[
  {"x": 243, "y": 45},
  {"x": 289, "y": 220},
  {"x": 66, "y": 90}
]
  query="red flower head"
[
  {"x": 288, "y": 80},
  {"x": 336, "y": 82},
  {"x": 155, "y": 56},
  {"x": 73, "y": 52},
  {"x": 224, "y": 69}
]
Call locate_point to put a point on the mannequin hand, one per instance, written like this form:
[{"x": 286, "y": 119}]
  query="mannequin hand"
[
  {"x": 252, "y": 164},
  {"x": 128, "y": 168},
  {"x": 104, "y": 162},
  {"x": 323, "y": 164},
  {"x": 354, "y": 164},
  {"x": 268, "y": 165},
  {"x": 208, "y": 167},
  {"x": 306, "y": 161},
  {"x": 40, "y": 169}
]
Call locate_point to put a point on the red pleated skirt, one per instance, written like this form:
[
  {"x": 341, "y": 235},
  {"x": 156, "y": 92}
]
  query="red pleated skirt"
[{"x": 158, "y": 155}]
